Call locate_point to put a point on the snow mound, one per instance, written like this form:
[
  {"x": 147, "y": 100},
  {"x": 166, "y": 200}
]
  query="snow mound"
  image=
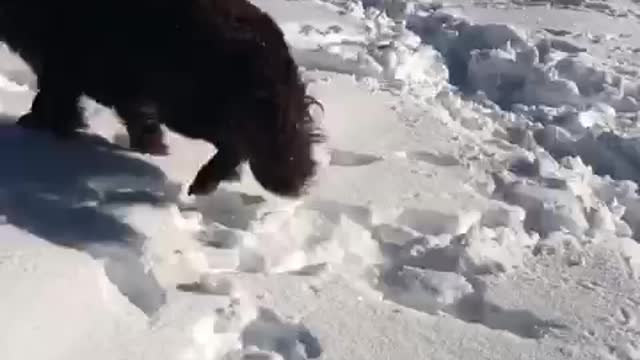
[{"x": 510, "y": 68}]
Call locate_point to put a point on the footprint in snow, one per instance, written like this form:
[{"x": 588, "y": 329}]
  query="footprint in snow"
[
  {"x": 351, "y": 159},
  {"x": 434, "y": 159},
  {"x": 269, "y": 333}
]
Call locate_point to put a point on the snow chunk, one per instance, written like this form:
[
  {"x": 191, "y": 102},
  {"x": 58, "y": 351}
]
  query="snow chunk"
[
  {"x": 430, "y": 290},
  {"x": 548, "y": 209},
  {"x": 485, "y": 250}
]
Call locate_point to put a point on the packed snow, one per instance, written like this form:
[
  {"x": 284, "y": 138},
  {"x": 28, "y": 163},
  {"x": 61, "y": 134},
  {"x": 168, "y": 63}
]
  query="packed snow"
[{"x": 477, "y": 199}]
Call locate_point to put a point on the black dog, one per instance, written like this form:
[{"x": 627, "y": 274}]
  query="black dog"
[{"x": 216, "y": 70}]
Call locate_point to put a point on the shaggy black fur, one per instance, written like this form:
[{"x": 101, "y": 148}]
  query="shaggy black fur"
[{"x": 216, "y": 70}]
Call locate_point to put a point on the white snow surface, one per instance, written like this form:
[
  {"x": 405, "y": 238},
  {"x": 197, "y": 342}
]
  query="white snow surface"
[{"x": 495, "y": 218}]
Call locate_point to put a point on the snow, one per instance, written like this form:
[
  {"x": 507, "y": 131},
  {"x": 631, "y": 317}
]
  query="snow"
[{"x": 477, "y": 199}]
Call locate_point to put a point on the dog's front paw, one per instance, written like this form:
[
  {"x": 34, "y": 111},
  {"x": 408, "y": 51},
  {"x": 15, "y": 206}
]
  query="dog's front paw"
[
  {"x": 202, "y": 186},
  {"x": 150, "y": 143}
]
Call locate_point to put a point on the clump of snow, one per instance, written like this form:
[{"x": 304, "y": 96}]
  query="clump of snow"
[
  {"x": 486, "y": 250},
  {"x": 430, "y": 290},
  {"x": 510, "y": 67},
  {"x": 548, "y": 209},
  {"x": 563, "y": 244},
  {"x": 386, "y": 53},
  {"x": 290, "y": 238}
]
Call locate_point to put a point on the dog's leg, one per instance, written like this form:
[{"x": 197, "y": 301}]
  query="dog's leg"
[
  {"x": 55, "y": 107},
  {"x": 145, "y": 132},
  {"x": 223, "y": 166}
]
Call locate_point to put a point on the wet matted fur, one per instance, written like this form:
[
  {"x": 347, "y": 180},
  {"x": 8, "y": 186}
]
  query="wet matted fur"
[{"x": 215, "y": 70}]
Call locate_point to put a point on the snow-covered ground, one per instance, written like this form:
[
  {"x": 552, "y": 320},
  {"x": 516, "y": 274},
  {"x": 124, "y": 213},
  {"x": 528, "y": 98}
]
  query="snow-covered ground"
[{"x": 495, "y": 219}]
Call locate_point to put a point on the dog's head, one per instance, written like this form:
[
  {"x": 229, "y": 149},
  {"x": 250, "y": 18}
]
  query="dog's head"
[
  {"x": 246, "y": 89},
  {"x": 278, "y": 124},
  {"x": 281, "y": 131}
]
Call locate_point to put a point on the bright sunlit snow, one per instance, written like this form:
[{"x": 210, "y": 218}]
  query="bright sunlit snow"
[{"x": 478, "y": 199}]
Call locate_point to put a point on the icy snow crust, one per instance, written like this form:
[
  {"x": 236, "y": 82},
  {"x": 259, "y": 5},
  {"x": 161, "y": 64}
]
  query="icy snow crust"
[{"x": 477, "y": 200}]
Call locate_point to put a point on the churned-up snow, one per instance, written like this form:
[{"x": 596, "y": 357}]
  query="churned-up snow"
[{"x": 477, "y": 199}]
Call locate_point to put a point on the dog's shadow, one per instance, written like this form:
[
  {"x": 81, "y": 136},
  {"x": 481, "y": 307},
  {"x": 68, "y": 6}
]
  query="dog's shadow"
[
  {"x": 58, "y": 191},
  {"x": 45, "y": 185}
]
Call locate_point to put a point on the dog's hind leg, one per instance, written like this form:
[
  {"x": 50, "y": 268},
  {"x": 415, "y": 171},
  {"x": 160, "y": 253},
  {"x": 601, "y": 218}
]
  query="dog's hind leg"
[
  {"x": 223, "y": 166},
  {"x": 143, "y": 128},
  {"x": 55, "y": 107}
]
